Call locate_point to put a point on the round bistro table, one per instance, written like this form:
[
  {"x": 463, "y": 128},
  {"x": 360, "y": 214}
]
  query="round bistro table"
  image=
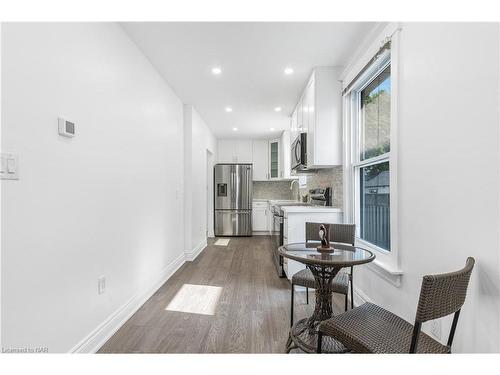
[{"x": 324, "y": 267}]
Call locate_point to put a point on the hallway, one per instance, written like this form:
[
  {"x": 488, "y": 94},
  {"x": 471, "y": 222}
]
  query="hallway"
[{"x": 251, "y": 316}]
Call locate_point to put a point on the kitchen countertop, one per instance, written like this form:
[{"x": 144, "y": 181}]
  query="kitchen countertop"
[
  {"x": 273, "y": 200},
  {"x": 298, "y": 208},
  {"x": 306, "y": 209}
]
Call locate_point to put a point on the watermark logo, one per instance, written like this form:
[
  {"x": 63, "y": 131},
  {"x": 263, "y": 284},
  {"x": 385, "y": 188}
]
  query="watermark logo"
[{"x": 39, "y": 349}]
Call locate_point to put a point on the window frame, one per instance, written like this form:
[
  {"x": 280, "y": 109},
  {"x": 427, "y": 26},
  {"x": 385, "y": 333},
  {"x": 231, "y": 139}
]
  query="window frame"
[{"x": 388, "y": 260}]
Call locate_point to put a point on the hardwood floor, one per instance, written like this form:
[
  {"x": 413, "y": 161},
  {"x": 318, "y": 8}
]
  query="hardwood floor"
[{"x": 252, "y": 314}]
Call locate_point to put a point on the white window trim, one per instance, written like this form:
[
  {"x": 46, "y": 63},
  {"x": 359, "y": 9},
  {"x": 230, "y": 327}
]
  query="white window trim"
[{"x": 386, "y": 261}]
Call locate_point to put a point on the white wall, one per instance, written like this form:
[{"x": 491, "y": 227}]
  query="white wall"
[
  {"x": 198, "y": 140},
  {"x": 99, "y": 204},
  {"x": 448, "y": 174}
]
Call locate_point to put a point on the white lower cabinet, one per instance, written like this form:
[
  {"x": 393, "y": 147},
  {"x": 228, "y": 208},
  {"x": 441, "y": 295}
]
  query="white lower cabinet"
[
  {"x": 270, "y": 222},
  {"x": 294, "y": 230},
  {"x": 259, "y": 217}
]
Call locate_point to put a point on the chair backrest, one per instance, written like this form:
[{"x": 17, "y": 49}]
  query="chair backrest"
[
  {"x": 443, "y": 294},
  {"x": 342, "y": 233}
]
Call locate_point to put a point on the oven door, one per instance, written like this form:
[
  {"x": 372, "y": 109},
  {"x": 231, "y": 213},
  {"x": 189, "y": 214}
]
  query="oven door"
[
  {"x": 278, "y": 241},
  {"x": 277, "y": 231}
]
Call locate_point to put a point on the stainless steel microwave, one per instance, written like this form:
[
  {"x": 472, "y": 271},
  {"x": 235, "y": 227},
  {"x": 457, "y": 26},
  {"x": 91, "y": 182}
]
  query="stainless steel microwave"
[{"x": 299, "y": 153}]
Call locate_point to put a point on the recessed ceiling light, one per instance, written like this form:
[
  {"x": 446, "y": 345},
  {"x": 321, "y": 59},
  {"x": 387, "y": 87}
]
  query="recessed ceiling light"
[
  {"x": 272, "y": 129},
  {"x": 235, "y": 129},
  {"x": 216, "y": 70},
  {"x": 277, "y": 109},
  {"x": 288, "y": 70},
  {"x": 229, "y": 109}
]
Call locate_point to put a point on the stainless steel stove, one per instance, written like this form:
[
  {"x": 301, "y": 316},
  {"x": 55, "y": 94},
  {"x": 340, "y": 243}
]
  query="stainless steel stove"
[{"x": 277, "y": 233}]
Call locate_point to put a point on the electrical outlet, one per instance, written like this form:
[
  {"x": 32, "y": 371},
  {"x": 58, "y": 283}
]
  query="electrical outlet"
[
  {"x": 101, "y": 285},
  {"x": 436, "y": 329}
]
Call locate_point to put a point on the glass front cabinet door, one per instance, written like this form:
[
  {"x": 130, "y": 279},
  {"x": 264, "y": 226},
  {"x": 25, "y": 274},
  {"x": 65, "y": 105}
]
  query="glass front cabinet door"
[{"x": 274, "y": 159}]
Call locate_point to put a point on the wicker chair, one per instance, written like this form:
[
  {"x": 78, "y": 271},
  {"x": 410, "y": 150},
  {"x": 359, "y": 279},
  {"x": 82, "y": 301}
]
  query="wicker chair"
[
  {"x": 371, "y": 329},
  {"x": 340, "y": 233}
]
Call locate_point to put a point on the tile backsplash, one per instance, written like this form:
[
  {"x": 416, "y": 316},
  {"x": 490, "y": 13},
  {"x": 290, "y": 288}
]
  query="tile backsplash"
[
  {"x": 321, "y": 178},
  {"x": 272, "y": 190}
]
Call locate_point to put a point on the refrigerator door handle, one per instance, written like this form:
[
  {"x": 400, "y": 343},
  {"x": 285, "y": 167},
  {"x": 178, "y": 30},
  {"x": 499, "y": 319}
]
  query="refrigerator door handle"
[{"x": 233, "y": 189}]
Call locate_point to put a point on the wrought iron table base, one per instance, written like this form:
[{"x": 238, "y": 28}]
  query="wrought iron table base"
[{"x": 304, "y": 333}]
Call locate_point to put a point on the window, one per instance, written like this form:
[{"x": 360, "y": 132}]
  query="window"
[
  {"x": 371, "y": 131},
  {"x": 375, "y": 205},
  {"x": 375, "y": 116},
  {"x": 370, "y": 114}
]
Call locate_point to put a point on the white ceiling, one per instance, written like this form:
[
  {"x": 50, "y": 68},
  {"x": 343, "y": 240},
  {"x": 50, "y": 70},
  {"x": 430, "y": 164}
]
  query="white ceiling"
[{"x": 252, "y": 57}]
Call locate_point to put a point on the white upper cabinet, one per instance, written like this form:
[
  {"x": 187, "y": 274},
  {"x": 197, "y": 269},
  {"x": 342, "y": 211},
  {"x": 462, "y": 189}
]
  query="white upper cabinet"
[
  {"x": 274, "y": 159},
  {"x": 270, "y": 158},
  {"x": 306, "y": 103},
  {"x": 319, "y": 114},
  {"x": 300, "y": 117},
  {"x": 285, "y": 155},
  {"x": 260, "y": 159},
  {"x": 234, "y": 151},
  {"x": 294, "y": 132},
  {"x": 244, "y": 151},
  {"x": 225, "y": 151}
]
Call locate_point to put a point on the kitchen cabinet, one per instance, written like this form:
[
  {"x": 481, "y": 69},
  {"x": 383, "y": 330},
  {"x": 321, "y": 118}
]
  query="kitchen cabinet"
[
  {"x": 274, "y": 159},
  {"x": 260, "y": 217},
  {"x": 285, "y": 161},
  {"x": 308, "y": 106},
  {"x": 270, "y": 219},
  {"x": 260, "y": 159},
  {"x": 243, "y": 151},
  {"x": 294, "y": 131},
  {"x": 225, "y": 151},
  {"x": 319, "y": 114},
  {"x": 234, "y": 151},
  {"x": 270, "y": 158},
  {"x": 324, "y": 133},
  {"x": 300, "y": 117}
]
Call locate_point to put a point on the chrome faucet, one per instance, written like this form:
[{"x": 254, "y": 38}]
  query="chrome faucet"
[{"x": 298, "y": 190}]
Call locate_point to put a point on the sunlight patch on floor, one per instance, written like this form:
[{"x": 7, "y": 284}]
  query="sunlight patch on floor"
[
  {"x": 222, "y": 242},
  {"x": 196, "y": 299}
]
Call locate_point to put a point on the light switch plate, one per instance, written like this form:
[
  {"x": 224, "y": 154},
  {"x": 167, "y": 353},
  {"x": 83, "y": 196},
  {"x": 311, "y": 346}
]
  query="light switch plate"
[{"x": 9, "y": 166}]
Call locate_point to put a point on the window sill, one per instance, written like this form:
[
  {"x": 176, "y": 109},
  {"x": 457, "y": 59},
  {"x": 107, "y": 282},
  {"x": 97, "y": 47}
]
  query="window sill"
[
  {"x": 381, "y": 266},
  {"x": 388, "y": 273}
]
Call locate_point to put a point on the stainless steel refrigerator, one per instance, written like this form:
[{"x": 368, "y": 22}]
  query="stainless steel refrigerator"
[{"x": 233, "y": 199}]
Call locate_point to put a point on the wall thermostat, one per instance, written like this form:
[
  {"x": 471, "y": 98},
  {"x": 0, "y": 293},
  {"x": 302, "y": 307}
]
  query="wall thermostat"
[{"x": 66, "y": 128}]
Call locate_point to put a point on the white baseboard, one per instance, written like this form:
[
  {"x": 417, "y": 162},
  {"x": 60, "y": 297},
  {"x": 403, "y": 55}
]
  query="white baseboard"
[
  {"x": 98, "y": 337},
  {"x": 190, "y": 256}
]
